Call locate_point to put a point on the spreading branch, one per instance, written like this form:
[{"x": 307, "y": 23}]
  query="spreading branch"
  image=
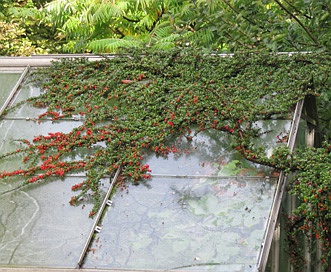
[{"x": 311, "y": 36}]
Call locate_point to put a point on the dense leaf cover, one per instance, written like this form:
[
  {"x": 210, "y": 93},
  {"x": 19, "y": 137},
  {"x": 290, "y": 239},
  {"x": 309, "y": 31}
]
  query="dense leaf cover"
[
  {"x": 133, "y": 103},
  {"x": 221, "y": 25}
]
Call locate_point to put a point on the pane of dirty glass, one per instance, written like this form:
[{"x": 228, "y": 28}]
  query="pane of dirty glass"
[
  {"x": 206, "y": 208},
  {"x": 210, "y": 153},
  {"x": 38, "y": 226},
  {"x": 27, "y": 90},
  {"x": 203, "y": 223},
  {"x": 272, "y": 132},
  {"x": 7, "y": 82},
  {"x": 302, "y": 135}
]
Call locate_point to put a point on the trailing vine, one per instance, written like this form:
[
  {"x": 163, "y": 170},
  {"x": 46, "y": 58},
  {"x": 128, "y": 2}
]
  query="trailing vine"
[{"x": 134, "y": 103}]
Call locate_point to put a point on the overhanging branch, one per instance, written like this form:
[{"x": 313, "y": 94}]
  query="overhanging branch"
[{"x": 299, "y": 22}]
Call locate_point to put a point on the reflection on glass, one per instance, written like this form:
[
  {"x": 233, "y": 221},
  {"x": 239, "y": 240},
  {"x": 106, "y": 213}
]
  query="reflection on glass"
[
  {"x": 206, "y": 208},
  {"x": 13, "y": 130},
  {"x": 28, "y": 90},
  {"x": 210, "y": 154},
  {"x": 203, "y": 223},
  {"x": 38, "y": 226}
]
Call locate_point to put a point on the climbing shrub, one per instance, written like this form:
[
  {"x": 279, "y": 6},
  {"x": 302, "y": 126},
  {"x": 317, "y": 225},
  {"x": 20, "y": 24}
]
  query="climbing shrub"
[{"x": 133, "y": 103}]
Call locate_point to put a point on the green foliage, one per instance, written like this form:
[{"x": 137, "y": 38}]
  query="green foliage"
[
  {"x": 98, "y": 25},
  {"x": 14, "y": 41},
  {"x": 222, "y": 25},
  {"x": 22, "y": 31},
  {"x": 111, "y": 45},
  {"x": 312, "y": 218}
]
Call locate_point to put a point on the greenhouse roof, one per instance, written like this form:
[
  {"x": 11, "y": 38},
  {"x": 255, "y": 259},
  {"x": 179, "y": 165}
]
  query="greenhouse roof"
[{"x": 205, "y": 208}]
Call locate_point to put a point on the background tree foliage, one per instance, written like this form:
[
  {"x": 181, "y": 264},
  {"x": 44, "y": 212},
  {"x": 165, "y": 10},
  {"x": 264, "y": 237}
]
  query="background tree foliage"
[
  {"x": 24, "y": 30},
  {"x": 106, "y": 25},
  {"x": 222, "y": 25}
]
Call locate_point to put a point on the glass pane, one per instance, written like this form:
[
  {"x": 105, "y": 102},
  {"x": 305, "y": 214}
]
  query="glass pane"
[
  {"x": 200, "y": 223},
  {"x": 303, "y": 131},
  {"x": 28, "y": 90},
  {"x": 210, "y": 153},
  {"x": 206, "y": 208},
  {"x": 38, "y": 226},
  {"x": 7, "y": 82}
]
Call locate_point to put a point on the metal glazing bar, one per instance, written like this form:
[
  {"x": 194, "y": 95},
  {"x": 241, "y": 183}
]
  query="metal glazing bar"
[
  {"x": 272, "y": 221},
  {"x": 212, "y": 177},
  {"x": 95, "y": 227},
  {"x": 295, "y": 125}
]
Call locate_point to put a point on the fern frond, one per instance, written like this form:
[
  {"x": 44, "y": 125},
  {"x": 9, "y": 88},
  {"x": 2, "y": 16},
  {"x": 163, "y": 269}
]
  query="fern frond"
[
  {"x": 203, "y": 37},
  {"x": 166, "y": 42},
  {"x": 147, "y": 21},
  {"x": 75, "y": 28},
  {"x": 144, "y": 4},
  {"x": 122, "y": 5},
  {"x": 187, "y": 10},
  {"x": 57, "y": 12},
  {"x": 163, "y": 46}
]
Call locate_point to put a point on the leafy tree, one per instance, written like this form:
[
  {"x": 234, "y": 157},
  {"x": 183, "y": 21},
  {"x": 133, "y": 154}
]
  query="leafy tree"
[
  {"x": 222, "y": 25},
  {"x": 22, "y": 29},
  {"x": 107, "y": 25}
]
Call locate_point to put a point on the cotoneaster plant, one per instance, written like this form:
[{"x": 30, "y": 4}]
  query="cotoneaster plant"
[{"x": 135, "y": 102}]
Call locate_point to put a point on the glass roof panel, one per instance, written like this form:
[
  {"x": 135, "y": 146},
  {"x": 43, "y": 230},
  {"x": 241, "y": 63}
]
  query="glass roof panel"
[
  {"x": 13, "y": 130},
  {"x": 303, "y": 131},
  {"x": 27, "y": 90},
  {"x": 8, "y": 81},
  {"x": 38, "y": 226},
  {"x": 206, "y": 208},
  {"x": 210, "y": 154},
  {"x": 201, "y": 223}
]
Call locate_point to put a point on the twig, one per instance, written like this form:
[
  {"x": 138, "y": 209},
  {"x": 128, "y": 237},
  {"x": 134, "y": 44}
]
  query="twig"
[
  {"x": 238, "y": 12},
  {"x": 297, "y": 10}
]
